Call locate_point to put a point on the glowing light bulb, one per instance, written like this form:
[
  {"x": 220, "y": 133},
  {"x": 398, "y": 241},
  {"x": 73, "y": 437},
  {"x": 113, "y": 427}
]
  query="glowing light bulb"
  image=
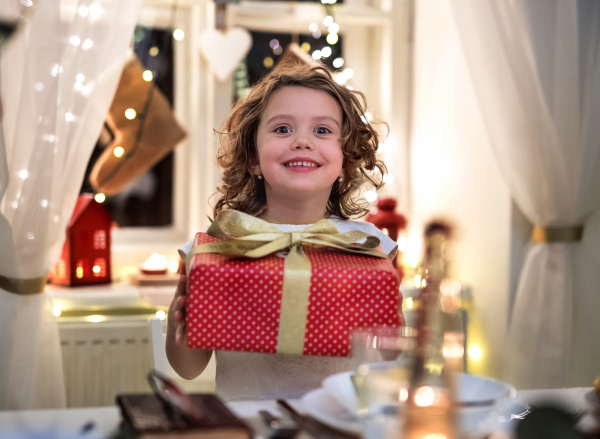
[
  {"x": 75, "y": 40},
  {"x": 130, "y": 113},
  {"x": 332, "y": 38},
  {"x": 371, "y": 196},
  {"x": 95, "y": 11},
  {"x": 475, "y": 352},
  {"x": 95, "y": 319},
  {"x": 268, "y": 62},
  {"x": 333, "y": 28},
  {"x": 340, "y": 78},
  {"x": 326, "y": 52},
  {"x": 100, "y": 197},
  {"x": 349, "y": 73},
  {"x": 338, "y": 62},
  {"x": 178, "y": 34},
  {"x": 87, "y": 44},
  {"x": 316, "y": 54},
  {"x": 118, "y": 151},
  {"x": 79, "y": 272},
  {"x": 147, "y": 75},
  {"x": 153, "y": 51},
  {"x": 305, "y": 46},
  {"x": 327, "y": 21},
  {"x": 96, "y": 269},
  {"x": 161, "y": 314},
  {"x": 56, "y": 311},
  {"x": 409, "y": 303},
  {"x": 424, "y": 396}
]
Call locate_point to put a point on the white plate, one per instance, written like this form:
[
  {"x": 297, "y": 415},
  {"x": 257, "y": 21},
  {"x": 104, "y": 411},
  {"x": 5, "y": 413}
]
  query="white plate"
[
  {"x": 322, "y": 406},
  {"x": 472, "y": 390}
]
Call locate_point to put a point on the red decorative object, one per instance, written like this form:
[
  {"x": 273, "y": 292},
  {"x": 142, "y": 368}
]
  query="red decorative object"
[
  {"x": 85, "y": 259},
  {"x": 388, "y": 220},
  {"x": 235, "y": 304}
]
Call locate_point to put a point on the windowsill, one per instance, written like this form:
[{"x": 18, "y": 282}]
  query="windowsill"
[{"x": 140, "y": 238}]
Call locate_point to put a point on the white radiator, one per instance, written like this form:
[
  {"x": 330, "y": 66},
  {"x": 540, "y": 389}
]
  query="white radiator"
[{"x": 103, "y": 359}]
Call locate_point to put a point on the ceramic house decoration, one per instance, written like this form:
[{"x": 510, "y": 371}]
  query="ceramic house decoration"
[{"x": 85, "y": 259}]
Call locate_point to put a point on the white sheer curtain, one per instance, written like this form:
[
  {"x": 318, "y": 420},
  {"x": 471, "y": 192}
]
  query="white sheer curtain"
[
  {"x": 535, "y": 65},
  {"x": 57, "y": 82}
]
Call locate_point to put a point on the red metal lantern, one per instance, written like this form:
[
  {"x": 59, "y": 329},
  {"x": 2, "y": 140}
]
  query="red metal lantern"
[{"x": 85, "y": 259}]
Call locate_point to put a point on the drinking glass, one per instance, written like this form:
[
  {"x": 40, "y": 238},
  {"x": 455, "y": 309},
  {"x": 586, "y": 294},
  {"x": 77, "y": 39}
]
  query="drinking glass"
[{"x": 381, "y": 360}]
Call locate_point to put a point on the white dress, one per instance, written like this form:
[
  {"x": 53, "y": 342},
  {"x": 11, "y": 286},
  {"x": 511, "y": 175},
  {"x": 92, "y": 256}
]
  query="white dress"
[{"x": 253, "y": 376}]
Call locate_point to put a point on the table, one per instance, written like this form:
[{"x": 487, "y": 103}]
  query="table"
[{"x": 68, "y": 422}]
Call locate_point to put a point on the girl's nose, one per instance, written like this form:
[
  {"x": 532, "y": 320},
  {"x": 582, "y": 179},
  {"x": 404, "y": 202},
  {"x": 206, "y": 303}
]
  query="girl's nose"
[{"x": 302, "y": 142}]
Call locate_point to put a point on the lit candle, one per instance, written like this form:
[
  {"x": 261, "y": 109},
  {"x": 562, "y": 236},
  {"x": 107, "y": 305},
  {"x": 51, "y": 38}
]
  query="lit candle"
[{"x": 155, "y": 264}]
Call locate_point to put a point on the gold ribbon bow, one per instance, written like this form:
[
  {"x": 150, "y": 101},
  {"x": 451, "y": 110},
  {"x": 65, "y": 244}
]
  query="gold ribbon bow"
[{"x": 250, "y": 237}]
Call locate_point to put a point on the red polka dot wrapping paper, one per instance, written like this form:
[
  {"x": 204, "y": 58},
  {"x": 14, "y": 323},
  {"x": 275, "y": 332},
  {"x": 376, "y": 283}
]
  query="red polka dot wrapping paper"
[{"x": 235, "y": 304}]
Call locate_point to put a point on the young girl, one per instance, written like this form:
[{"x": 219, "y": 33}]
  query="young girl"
[{"x": 297, "y": 150}]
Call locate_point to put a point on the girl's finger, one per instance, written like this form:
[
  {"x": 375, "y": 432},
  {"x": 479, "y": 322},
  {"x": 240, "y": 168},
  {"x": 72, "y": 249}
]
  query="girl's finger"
[
  {"x": 180, "y": 335},
  {"x": 179, "y": 316}
]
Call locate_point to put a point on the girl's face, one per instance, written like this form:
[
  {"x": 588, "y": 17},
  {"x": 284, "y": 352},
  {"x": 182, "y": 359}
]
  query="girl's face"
[{"x": 298, "y": 142}]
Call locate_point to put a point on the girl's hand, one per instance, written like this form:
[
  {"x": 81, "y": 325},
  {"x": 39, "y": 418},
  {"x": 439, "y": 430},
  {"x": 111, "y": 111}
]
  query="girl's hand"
[
  {"x": 187, "y": 362},
  {"x": 177, "y": 310}
]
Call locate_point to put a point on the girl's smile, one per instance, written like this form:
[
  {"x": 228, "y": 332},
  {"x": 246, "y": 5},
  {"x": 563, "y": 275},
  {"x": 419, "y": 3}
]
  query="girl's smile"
[{"x": 302, "y": 164}]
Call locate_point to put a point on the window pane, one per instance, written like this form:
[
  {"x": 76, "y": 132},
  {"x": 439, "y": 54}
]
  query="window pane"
[
  {"x": 266, "y": 51},
  {"x": 148, "y": 201}
]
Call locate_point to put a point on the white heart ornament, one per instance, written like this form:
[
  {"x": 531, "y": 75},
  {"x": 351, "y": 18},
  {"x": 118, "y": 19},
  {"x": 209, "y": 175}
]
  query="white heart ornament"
[{"x": 224, "y": 50}]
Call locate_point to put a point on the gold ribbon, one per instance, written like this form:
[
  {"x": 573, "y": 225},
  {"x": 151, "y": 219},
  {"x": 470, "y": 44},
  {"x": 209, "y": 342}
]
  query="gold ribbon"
[
  {"x": 557, "y": 234},
  {"x": 29, "y": 286},
  {"x": 250, "y": 237}
]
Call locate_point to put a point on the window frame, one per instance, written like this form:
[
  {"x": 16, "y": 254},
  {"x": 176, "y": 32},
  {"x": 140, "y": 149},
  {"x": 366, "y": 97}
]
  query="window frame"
[{"x": 201, "y": 102}]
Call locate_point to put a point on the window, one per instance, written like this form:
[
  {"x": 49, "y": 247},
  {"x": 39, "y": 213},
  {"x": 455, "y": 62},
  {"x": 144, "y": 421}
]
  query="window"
[
  {"x": 201, "y": 102},
  {"x": 99, "y": 268},
  {"x": 147, "y": 201},
  {"x": 99, "y": 240}
]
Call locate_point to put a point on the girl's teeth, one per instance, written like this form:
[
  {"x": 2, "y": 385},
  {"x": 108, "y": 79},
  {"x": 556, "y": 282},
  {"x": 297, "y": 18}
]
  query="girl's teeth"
[{"x": 307, "y": 164}]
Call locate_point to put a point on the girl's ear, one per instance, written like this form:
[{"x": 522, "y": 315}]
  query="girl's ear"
[
  {"x": 255, "y": 170},
  {"x": 254, "y": 167}
]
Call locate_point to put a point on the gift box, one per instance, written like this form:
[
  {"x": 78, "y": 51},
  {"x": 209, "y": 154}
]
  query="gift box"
[{"x": 241, "y": 303}]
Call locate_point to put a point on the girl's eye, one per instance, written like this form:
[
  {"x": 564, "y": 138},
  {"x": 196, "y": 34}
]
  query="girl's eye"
[
  {"x": 323, "y": 130},
  {"x": 283, "y": 130}
]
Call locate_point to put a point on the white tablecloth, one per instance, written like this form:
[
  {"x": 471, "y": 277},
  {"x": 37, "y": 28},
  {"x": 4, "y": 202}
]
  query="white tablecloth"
[{"x": 67, "y": 423}]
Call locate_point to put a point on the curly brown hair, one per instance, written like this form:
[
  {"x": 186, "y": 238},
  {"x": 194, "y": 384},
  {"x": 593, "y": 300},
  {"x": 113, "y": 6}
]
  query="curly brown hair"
[{"x": 243, "y": 191}]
